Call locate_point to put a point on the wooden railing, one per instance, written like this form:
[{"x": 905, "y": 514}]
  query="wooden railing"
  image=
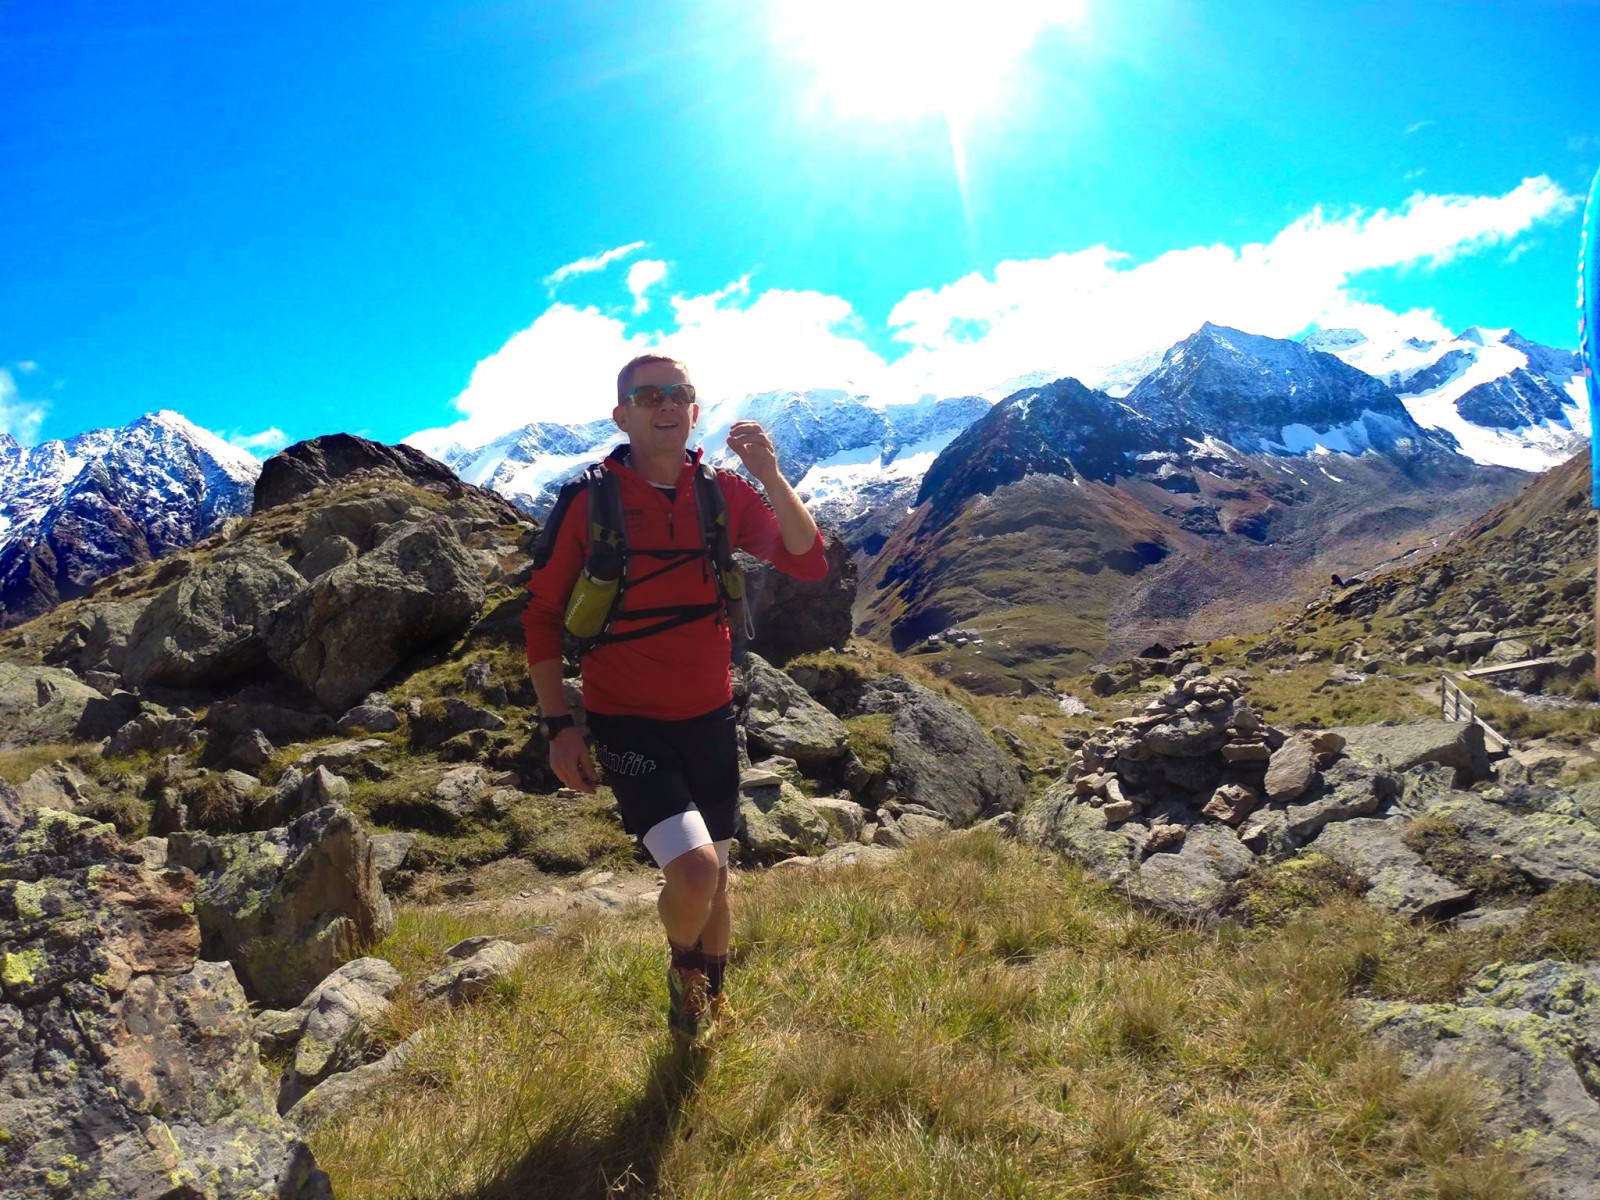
[{"x": 1456, "y": 705}]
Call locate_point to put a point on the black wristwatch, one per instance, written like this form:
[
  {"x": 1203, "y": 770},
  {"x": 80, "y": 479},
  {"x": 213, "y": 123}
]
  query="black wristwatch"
[{"x": 554, "y": 725}]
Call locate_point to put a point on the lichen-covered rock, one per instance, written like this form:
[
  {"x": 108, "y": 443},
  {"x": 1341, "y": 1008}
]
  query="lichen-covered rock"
[
  {"x": 1531, "y": 1034},
  {"x": 350, "y": 628},
  {"x": 207, "y": 627},
  {"x": 939, "y": 756},
  {"x": 778, "y": 821},
  {"x": 1060, "y": 820},
  {"x": 1193, "y": 884},
  {"x": 60, "y": 786},
  {"x": 287, "y": 906},
  {"x": 782, "y": 718},
  {"x": 130, "y": 1068},
  {"x": 334, "y": 1028},
  {"x": 1400, "y": 882},
  {"x": 1548, "y": 847}
]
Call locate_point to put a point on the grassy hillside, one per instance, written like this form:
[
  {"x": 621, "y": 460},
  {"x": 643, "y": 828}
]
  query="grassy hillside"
[{"x": 971, "y": 1019}]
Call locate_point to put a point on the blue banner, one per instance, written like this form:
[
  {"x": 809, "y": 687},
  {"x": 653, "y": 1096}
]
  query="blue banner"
[{"x": 1589, "y": 324}]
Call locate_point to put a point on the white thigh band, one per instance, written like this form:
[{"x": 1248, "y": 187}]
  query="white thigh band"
[{"x": 679, "y": 834}]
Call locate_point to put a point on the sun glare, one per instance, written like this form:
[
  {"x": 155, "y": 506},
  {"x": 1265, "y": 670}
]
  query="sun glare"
[{"x": 899, "y": 59}]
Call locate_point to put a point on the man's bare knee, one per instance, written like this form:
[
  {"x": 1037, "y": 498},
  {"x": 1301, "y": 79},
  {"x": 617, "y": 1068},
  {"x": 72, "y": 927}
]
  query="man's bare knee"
[{"x": 695, "y": 872}]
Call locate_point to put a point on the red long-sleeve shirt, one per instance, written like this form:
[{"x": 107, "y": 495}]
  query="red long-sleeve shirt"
[{"x": 681, "y": 672}]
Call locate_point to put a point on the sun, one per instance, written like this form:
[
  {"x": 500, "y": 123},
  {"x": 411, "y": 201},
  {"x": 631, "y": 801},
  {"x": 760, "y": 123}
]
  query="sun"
[{"x": 908, "y": 59}]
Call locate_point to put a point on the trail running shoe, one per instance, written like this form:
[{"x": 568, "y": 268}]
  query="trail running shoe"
[
  {"x": 721, "y": 1012},
  {"x": 687, "y": 1001}
]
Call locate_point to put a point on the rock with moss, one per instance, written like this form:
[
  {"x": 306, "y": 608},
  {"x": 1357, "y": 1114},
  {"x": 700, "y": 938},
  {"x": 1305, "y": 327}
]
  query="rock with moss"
[
  {"x": 780, "y": 717},
  {"x": 130, "y": 1068},
  {"x": 208, "y": 626},
  {"x": 1062, "y": 820},
  {"x": 1194, "y": 883},
  {"x": 350, "y": 628},
  {"x": 1549, "y": 847},
  {"x": 333, "y": 1029},
  {"x": 940, "y": 757},
  {"x": 1398, "y": 880},
  {"x": 287, "y": 906},
  {"x": 778, "y": 821},
  {"x": 1530, "y": 1035}
]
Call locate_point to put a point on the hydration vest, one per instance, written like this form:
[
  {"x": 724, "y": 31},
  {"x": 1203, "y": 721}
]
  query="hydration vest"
[{"x": 596, "y": 603}]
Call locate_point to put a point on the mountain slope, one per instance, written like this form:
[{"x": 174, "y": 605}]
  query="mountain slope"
[
  {"x": 1068, "y": 524},
  {"x": 72, "y": 511}
]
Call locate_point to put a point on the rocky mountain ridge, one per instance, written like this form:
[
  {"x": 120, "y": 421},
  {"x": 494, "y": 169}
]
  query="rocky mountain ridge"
[{"x": 72, "y": 511}]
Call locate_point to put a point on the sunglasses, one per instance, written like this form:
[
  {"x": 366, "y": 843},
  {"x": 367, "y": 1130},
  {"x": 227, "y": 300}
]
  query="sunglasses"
[{"x": 649, "y": 395}]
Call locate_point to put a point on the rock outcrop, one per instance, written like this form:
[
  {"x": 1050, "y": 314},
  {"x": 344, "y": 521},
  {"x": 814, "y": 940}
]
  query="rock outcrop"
[
  {"x": 349, "y": 629},
  {"x": 286, "y": 906},
  {"x": 130, "y": 1068},
  {"x": 1531, "y": 1034}
]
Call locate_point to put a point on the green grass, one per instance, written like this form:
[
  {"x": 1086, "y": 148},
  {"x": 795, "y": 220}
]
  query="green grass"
[{"x": 971, "y": 1020}]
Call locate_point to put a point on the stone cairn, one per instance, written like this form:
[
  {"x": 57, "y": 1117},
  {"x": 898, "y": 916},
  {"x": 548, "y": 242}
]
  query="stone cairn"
[{"x": 1199, "y": 752}]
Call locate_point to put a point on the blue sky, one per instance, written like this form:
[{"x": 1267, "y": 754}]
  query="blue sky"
[{"x": 284, "y": 219}]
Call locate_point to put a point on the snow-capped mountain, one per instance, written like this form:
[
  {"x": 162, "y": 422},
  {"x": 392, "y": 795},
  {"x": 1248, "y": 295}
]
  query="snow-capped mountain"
[
  {"x": 844, "y": 454},
  {"x": 1265, "y": 395},
  {"x": 72, "y": 511},
  {"x": 1504, "y": 399}
]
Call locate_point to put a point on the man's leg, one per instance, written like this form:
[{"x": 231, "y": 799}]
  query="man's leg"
[{"x": 695, "y": 881}]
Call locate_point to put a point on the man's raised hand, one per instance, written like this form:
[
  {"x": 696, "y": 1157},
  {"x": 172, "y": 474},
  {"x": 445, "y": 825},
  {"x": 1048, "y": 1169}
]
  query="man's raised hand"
[{"x": 750, "y": 442}]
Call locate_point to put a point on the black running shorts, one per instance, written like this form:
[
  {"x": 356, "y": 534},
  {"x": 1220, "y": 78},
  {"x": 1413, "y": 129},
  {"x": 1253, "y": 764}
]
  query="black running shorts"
[{"x": 658, "y": 769}]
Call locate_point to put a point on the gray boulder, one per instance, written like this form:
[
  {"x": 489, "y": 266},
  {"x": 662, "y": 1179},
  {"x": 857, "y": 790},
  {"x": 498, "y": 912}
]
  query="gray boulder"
[
  {"x": 207, "y": 627},
  {"x": 798, "y": 616},
  {"x": 351, "y": 627},
  {"x": 131, "y": 1068},
  {"x": 334, "y": 1028},
  {"x": 478, "y": 964},
  {"x": 1400, "y": 882},
  {"x": 1400, "y": 747},
  {"x": 59, "y": 785},
  {"x": 1291, "y": 770},
  {"x": 338, "y": 1093},
  {"x": 41, "y": 705},
  {"x": 389, "y": 852},
  {"x": 778, "y": 822},
  {"x": 286, "y": 906},
  {"x": 940, "y": 757},
  {"x": 781, "y": 718},
  {"x": 1531, "y": 1034},
  {"x": 1193, "y": 884},
  {"x": 1549, "y": 847},
  {"x": 1062, "y": 821},
  {"x": 1349, "y": 790},
  {"x": 98, "y": 639}
]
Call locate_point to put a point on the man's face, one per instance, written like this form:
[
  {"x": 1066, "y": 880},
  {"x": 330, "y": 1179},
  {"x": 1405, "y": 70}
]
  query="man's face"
[{"x": 657, "y": 430}]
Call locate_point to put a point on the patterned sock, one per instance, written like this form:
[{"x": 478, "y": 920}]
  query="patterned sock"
[
  {"x": 687, "y": 958},
  {"x": 714, "y": 966}
]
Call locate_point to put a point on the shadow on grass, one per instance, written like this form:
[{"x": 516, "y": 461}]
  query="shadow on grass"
[{"x": 624, "y": 1159}]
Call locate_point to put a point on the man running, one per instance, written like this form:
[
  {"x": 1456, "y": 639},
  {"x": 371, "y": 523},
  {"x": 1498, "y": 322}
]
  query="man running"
[{"x": 656, "y": 682}]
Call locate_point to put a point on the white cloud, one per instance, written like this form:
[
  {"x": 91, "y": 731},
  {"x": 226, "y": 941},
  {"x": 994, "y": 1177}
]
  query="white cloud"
[
  {"x": 1073, "y": 314},
  {"x": 271, "y": 439},
  {"x": 643, "y": 276},
  {"x": 18, "y": 417},
  {"x": 594, "y": 262},
  {"x": 1418, "y": 127},
  {"x": 1413, "y": 175},
  {"x": 27, "y": 367}
]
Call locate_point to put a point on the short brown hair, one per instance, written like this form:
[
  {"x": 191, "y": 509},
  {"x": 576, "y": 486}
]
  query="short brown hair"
[{"x": 625, "y": 376}]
